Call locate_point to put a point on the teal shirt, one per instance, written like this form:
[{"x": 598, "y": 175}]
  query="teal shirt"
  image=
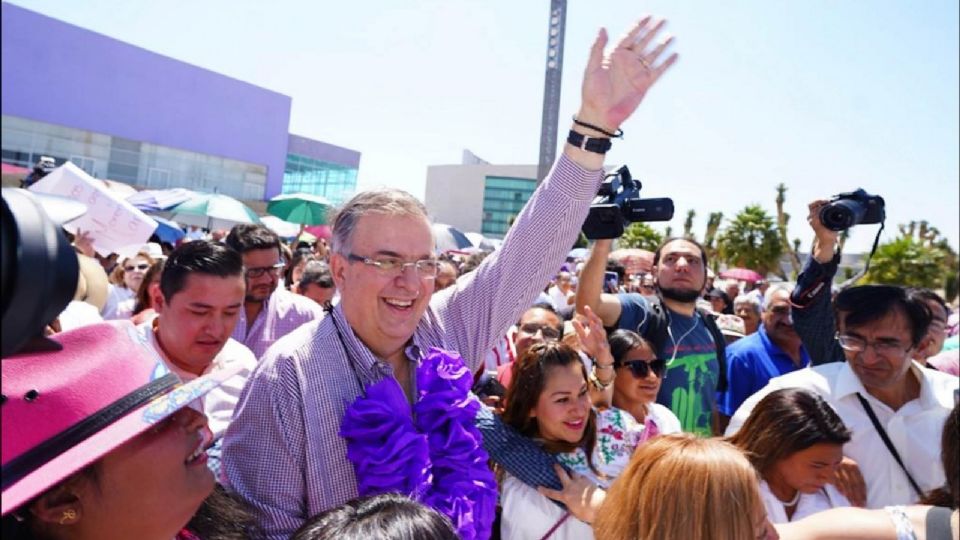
[{"x": 689, "y": 387}]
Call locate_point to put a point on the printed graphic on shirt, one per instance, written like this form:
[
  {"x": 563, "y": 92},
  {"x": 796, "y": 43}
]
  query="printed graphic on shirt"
[{"x": 689, "y": 390}]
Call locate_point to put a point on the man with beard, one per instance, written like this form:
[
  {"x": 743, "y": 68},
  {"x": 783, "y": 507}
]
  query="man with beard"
[
  {"x": 774, "y": 350},
  {"x": 269, "y": 312},
  {"x": 688, "y": 339}
]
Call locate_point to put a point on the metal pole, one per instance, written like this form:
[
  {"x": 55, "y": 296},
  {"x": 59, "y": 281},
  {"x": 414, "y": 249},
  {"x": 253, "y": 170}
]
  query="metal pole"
[{"x": 551, "y": 88}]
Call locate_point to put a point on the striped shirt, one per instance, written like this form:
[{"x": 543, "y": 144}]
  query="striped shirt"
[
  {"x": 283, "y": 313},
  {"x": 282, "y": 453}
]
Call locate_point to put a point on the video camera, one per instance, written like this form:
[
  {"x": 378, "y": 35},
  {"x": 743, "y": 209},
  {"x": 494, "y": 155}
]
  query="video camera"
[
  {"x": 853, "y": 208},
  {"x": 618, "y": 204}
]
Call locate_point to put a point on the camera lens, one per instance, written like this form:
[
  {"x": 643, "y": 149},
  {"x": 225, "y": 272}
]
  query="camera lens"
[
  {"x": 841, "y": 215},
  {"x": 40, "y": 269}
]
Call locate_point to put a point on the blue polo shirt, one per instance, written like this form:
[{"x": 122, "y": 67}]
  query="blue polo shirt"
[{"x": 751, "y": 362}]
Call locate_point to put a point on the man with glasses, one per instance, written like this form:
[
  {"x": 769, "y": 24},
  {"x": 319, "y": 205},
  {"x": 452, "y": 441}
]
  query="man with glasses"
[
  {"x": 538, "y": 324},
  {"x": 813, "y": 315},
  {"x": 774, "y": 350},
  {"x": 269, "y": 312},
  {"x": 284, "y": 454},
  {"x": 895, "y": 407}
]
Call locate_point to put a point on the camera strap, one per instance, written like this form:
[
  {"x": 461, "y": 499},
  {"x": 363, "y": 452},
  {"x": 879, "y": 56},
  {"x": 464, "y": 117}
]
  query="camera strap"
[
  {"x": 886, "y": 440},
  {"x": 866, "y": 266}
]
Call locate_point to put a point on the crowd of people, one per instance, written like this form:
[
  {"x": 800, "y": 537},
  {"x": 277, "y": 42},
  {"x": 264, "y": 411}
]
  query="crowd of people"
[{"x": 240, "y": 385}]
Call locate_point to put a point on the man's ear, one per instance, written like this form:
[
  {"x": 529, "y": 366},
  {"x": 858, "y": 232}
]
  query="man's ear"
[
  {"x": 338, "y": 267},
  {"x": 156, "y": 296}
]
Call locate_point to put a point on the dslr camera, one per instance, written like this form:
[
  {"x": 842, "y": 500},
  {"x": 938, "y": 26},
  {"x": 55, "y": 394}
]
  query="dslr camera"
[
  {"x": 853, "y": 208},
  {"x": 618, "y": 204}
]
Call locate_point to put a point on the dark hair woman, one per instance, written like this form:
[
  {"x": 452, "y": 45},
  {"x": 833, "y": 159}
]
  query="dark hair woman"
[{"x": 795, "y": 441}]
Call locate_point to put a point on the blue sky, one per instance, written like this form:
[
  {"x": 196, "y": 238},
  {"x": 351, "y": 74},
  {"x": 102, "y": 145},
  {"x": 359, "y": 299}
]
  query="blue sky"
[{"x": 824, "y": 96}]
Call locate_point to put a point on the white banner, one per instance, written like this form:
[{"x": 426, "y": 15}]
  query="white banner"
[{"x": 111, "y": 222}]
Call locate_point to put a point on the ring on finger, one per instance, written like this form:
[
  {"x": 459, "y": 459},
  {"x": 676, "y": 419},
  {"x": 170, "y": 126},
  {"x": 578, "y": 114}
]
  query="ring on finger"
[{"x": 644, "y": 63}]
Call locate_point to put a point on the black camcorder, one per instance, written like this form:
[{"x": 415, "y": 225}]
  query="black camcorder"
[
  {"x": 854, "y": 208},
  {"x": 618, "y": 204}
]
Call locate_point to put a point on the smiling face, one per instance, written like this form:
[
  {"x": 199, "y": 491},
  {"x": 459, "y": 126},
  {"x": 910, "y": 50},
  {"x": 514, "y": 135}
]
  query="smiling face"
[
  {"x": 163, "y": 470},
  {"x": 628, "y": 390},
  {"x": 134, "y": 269},
  {"x": 384, "y": 309},
  {"x": 808, "y": 470},
  {"x": 563, "y": 408},
  {"x": 195, "y": 323},
  {"x": 536, "y": 326}
]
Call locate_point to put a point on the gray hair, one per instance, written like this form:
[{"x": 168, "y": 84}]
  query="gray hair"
[
  {"x": 774, "y": 289},
  {"x": 747, "y": 299},
  {"x": 384, "y": 201}
]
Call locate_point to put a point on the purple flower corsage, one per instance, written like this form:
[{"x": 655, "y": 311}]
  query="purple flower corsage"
[{"x": 436, "y": 457}]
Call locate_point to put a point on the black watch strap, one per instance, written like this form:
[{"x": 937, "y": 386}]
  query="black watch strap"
[{"x": 598, "y": 145}]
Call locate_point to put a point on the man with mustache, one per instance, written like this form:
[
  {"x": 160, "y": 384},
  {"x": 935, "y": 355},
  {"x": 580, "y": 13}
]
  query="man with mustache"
[
  {"x": 688, "y": 339},
  {"x": 774, "y": 350}
]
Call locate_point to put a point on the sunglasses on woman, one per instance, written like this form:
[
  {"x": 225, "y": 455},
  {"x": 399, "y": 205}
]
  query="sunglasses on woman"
[{"x": 641, "y": 368}]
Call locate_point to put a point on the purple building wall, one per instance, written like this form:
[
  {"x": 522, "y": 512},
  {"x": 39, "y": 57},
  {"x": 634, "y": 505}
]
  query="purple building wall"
[
  {"x": 323, "y": 151},
  {"x": 61, "y": 74}
]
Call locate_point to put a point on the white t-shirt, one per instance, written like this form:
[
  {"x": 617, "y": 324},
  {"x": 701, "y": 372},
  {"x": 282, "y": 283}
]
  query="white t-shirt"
[
  {"x": 219, "y": 403},
  {"x": 116, "y": 296},
  {"x": 666, "y": 421},
  {"x": 528, "y": 514},
  {"x": 809, "y": 503}
]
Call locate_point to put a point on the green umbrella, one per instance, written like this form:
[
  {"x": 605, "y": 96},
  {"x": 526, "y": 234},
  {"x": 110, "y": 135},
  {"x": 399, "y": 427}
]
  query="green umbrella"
[
  {"x": 302, "y": 208},
  {"x": 213, "y": 211}
]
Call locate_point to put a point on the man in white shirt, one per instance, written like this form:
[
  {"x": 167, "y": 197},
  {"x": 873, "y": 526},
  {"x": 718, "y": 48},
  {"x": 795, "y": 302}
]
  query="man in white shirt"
[
  {"x": 200, "y": 296},
  {"x": 879, "y": 328},
  {"x": 562, "y": 292}
]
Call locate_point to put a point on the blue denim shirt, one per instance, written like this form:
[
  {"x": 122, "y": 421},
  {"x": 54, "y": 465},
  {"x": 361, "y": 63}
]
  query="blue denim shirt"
[{"x": 813, "y": 316}]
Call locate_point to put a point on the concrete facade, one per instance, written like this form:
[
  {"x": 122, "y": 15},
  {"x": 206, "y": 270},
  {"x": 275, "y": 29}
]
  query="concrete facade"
[{"x": 454, "y": 193}]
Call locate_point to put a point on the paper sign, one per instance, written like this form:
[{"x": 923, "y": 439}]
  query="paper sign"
[{"x": 111, "y": 222}]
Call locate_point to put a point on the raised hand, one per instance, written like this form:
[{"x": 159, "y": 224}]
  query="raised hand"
[
  {"x": 615, "y": 84},
  {"x": 592, "y": 336}
]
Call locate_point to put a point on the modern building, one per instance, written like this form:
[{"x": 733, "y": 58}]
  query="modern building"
[
  {"x": 477, "y": 196},
  {"x": 124, "y": 113}
]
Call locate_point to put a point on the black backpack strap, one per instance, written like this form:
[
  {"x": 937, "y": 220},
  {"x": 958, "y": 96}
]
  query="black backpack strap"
[{"x": 721, "y": 343}]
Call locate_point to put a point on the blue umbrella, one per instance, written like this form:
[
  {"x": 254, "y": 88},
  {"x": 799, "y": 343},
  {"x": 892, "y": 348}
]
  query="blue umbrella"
[{"x": 167, "y": 230}]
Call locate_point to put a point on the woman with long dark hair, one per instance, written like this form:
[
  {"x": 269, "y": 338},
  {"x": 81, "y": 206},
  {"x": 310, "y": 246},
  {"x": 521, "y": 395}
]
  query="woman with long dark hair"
[{"x": 795, "y": 441}]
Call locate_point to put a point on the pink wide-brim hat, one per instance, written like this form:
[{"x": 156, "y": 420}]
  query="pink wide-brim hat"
[{"x": 65, "y": 409}]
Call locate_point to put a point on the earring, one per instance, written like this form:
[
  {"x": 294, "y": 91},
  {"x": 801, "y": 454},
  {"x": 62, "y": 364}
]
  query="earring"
[{"x": 69, "y": 516}]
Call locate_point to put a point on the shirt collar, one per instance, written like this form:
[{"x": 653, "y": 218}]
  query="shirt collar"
[
  {"x": 848, "y": 384},
  {"x": 368, "y": 365},
  {"x": 773, "y": 349}
]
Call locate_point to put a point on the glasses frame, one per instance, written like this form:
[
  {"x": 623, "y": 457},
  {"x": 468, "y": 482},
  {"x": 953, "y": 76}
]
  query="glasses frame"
[
  {"x": 640, "y": 369},
  {"x": 143, "y": 267},
  {"x": 400, "y": 268},
  {"x": 258, "y": 272},
  {"x": 899, "y": 350},
  {"x": 541, "y": 328}
]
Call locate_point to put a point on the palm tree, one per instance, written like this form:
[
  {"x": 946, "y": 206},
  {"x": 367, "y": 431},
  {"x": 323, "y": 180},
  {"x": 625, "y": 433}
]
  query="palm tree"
[
  {"x": 783, "y": 219},
  {"x": 640, "y": 235},
  {"x": 751, "y": 241},
  {"x": 688, "y": 224},
  {"x": 709, "y": 237}
]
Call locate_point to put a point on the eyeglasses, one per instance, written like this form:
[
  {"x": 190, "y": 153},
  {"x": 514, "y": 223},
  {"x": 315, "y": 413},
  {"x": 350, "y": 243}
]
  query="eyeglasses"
[
  {"x": 393, "y": 267},
  {"x": 641, "y": 368},
  {"x": 883, "y": 348},
  {"x": 142, "y": 267},
  {"x": 254, "y": 273},
  {"x": 547, "y": 331}
]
